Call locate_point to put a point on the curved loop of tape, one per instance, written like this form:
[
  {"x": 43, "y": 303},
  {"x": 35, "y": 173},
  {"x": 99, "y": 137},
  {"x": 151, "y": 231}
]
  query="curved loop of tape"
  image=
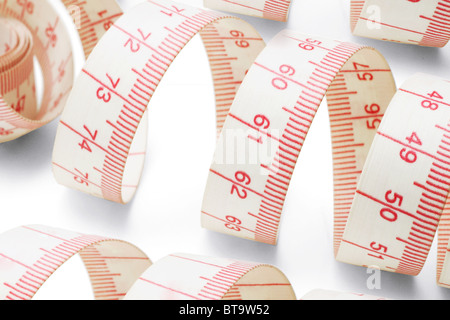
[
  {"x": 423, "y": 23},
  {"x": 211, "y": 279},
  {"x": 98, "y": 149},
  {"x": 29, "y": 255},
  {"x": 246, "y": 189},
  {"x": 39, "y": 32},
  {"x": 386, "y": 217},
  {"x": 403, "y": 190},
  {"x": 269, "y": 9}
]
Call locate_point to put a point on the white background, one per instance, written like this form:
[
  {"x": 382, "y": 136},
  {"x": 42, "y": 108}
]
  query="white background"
[{"x": 164, "y": 217}]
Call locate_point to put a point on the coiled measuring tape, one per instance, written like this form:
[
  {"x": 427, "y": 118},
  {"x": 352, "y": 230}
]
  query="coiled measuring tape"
[
  {"x": 269, "y": 9},
  {"x": 96, "y": 150},
  {"x": 277, "y": 99},
  {"x": 390, "y": 165},
  {"x": 29, "y": 255},
  {"x": 30, "y": 30},
  {"x": 118, "y": 270},
  {"x": 418, "y": 22}
]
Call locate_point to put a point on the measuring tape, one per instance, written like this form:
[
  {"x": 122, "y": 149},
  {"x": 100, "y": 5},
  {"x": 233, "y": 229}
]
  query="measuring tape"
[
  {"x": 269, "y": 9},
  {"x": 118, "y": 270},
  {"x": 423, "y": 23},
  {"x": 29, "y": 30},
  {"x": 388, "y": 202},
  {"x": 100, "y": 150}
]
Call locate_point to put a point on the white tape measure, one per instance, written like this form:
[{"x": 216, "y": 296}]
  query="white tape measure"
[
  {"x": 269, "y": 9},
  {"x": 118, "y": 270},
  {"x": 391, "y": 164},
  {"x": 386, "y": 217},
  {"x": 96, "y": 150},
  {"x": 37, "y": 31},
  {"x": 419, "y": 22},
  {"x": 93, "y": 149}
]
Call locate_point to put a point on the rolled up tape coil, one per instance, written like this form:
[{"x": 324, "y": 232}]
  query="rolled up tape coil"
[
  {"x": 42, "y": 34},
  {"x": 279, "y": 94}
]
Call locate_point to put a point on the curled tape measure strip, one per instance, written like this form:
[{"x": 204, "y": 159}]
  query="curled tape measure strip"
[
  {"x": 405, "y": 202},
  {"x": 246, "y": 199},
  {"x": 273, "y": 110},
  {"x": 104, "y": 110},
  {"x": 118, "y": 270},
  {"x": 386, "y": 217},
  {"x": 423, "y": 23},
  {"x": 37, "y": 31},
  {"x": 269, "y": 9}
]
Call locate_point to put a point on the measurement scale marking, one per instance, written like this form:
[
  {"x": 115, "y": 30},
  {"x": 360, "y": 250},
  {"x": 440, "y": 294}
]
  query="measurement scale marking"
[
  {"x": 78, "y": 176},
  {"x": 140, "y": 41},
  {"x": 392, "y": 26},
  {"x": 242, "y": 5},
  {"x": 425, "y": 97},
  {"x": 109, "y": 88},
  {"x": 226, "y": 221},
  {"x": 282, "y": 76},
  {"x": 84, "y": 137},
  {"x": 253, "y": 127},
  {"x": 395, "y": 208},
  {"x": 413, "y": 148},
  {"x": 239, "y": 184}
]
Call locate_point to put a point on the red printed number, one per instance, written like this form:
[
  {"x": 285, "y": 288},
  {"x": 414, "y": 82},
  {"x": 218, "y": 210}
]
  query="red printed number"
[
  {"x": 432, "y": 105},
  {"x": 132, "y": 45},
  {"x": 233, "y": 224},
  {"x": 410, "y": 156},
  {"x": 262, "y": 122},
  {"x": 244, "y": 178},
  {"x": 389, "y": 214},
  {"x": 281, "y": 83},
  {"x": 104, "y": 95},
  {"x": 373, "y": 109},
  {"x": 363, "y": 76},
  {"x": 85, "y": 144},
  {"x": 380, "y": 248},
  {"x": 107, "y": 24},
  {"x": 82, "y": 178},
  {"x": 240, "y": 43},
  {"x": 309, "y": 45}
]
